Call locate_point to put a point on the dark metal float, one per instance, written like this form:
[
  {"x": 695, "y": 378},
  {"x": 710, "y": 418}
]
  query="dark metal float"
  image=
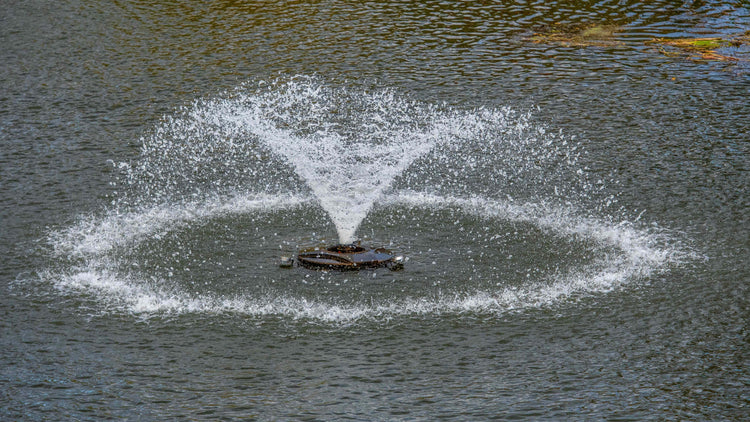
[{"x": 345, "y": 257}]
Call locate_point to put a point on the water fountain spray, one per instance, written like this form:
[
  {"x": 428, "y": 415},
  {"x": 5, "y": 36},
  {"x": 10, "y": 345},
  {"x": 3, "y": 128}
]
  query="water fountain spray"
[{"x": 221, "y": 178}]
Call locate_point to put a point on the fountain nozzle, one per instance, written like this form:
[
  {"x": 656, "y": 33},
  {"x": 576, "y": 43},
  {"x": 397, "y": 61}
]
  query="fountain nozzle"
[{"x": 349, "y": 256}]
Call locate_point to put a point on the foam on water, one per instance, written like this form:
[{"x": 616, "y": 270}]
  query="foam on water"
[{"x": 296, "y": 143}]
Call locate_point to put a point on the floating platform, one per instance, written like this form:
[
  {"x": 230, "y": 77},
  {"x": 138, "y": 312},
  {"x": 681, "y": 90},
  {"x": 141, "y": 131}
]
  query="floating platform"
[{"x": 346, "y": 257}]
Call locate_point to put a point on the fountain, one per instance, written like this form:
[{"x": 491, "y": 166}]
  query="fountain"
[
  {"x": 495, "y": 212},
  {"x": 348, "y": 257}
]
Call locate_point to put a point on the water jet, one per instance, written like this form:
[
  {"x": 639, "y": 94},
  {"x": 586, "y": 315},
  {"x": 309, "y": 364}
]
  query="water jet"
[{"x": 222, "y": 181}]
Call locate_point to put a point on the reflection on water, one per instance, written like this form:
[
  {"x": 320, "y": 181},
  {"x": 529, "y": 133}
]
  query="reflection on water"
[{"x": 434, "y": 42}]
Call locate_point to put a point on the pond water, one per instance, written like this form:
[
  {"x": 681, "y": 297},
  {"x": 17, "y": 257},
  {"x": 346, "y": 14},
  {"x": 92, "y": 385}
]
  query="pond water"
[{"x": 573, "y": 214}]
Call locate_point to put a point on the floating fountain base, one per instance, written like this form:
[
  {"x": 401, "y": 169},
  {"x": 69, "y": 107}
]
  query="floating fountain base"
[{"x": 347, "y": 257}]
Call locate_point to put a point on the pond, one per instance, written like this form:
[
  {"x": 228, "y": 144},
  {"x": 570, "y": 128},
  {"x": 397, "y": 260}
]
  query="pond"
[{"x": 567, "y": 183}]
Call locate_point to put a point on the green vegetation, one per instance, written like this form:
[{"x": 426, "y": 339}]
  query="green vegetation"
[
  {"x": 577, "y": 35},
  {"x": 699, "y": 48},
  {"x": 599, "y": 35}
]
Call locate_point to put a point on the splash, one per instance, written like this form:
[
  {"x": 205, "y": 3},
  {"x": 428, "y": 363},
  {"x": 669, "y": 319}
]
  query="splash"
[
  {"x": 346, "y": 147},
  {"x": 339, "y": 143},
  {"x": 263, "y": 160},
  {"x": 635, "y": 254}
]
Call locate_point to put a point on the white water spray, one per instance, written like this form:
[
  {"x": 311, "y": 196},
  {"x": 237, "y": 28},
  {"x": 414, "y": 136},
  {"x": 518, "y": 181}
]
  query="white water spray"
[
  {"x": 348, "y": 147},
  {"x": 261, "y": 152}
]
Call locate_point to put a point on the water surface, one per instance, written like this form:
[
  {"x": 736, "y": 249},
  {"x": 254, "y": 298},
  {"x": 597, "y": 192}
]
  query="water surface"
[{"x": 575, "y": 218}]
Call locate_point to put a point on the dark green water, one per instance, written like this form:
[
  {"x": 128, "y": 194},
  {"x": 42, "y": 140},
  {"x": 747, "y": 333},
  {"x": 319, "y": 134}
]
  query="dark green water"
[{"x": 575, "y": 218}]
